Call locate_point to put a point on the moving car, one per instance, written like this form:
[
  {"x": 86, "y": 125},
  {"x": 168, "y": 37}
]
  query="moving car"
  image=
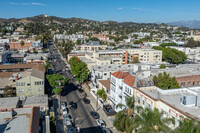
[
  {"x": 95, "y": 115},
  {"x": 73, "y": 105},
  {"x": 101, "y": 123},
  {"x": 87, "y": 101}
]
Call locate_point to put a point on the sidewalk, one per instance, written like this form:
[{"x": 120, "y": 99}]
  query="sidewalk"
[{"x": 102, "y": 114}]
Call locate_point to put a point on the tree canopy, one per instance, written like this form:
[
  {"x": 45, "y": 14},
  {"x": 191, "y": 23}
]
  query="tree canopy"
[
  {"x": 102, "y": 94},
  {"x": 79, "y": 69},
  {"x": 162, "y": 66},
  {"x": 168, "y": 44},
  {"x": 171, "y": 55},
  {"x": 164, "y": 81},
  {"x": 56, "y": 81}
]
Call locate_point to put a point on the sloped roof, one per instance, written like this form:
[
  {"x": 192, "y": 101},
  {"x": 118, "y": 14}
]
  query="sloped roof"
[
  {"x": 105, "y": 83},
  {"x": 129, "y": 80},
  {"x": 23, "y": 66},
  {"x": 120, "y": 74}
]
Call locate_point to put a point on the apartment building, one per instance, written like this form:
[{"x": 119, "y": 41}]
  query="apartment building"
[
  {"x": 29, "y": 83},
  {"x": 122, "y": 85},
  {"x": 187, "y": 75},
  {"x": 91, "y": 46},
  {"x": 101, "y": 37},
  {"x": 73, "y": 37},
  {"x": 103, "y": 72},
  {"x": 27, "y": 45},
  {"x": 175, "y": 103},
  {"x": 178, "y": 103}
]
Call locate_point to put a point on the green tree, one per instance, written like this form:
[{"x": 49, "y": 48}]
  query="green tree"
[
  {"x": 102, "y": 94},
  {"x": 56, "y": 81},
  {"x": 78, "y": 42},
  {"x": 9, "y": 91},
  {"x": 124, "y": 119},
  {"x": 188, "y": 126},
  {"x": 168, "y": 44},
  {"x": 162, "y": 66},
  {"x": 171, "y": 55},
  {"x": 79, "y": 69},
  {"x": 47, "y": 65},
  {"x": 164, "y": 81},
  {"x": 151, "y": 121},
  {"x": 22, "y": 44}
]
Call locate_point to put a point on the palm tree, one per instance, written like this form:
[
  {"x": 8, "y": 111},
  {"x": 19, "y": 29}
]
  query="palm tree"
[
  {"x": 188, "y": 126},
  {"x": 151, "y": 121},
  {"x": 22, "y": 44},
  {"x": 124, "y": 119},
  {"x": 47, "y": 65}
]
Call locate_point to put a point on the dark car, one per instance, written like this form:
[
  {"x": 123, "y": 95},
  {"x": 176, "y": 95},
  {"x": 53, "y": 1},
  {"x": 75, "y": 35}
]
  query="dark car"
[
  {"x": 85, "y": 100},
  {"x": 72, "y": 105},
  {"x": 95, "y": 115},
  {"x": 80, "y": 90}
]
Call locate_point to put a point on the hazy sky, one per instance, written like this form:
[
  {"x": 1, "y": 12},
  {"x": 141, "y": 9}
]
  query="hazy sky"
[{"x": 102, "y": 10}]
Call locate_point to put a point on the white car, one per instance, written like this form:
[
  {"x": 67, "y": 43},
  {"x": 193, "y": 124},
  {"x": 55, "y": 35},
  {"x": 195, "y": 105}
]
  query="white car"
[
  {"x": 101, "y": 123},
  {"x": 63, "y": 105},
  {"x": 65, "y": 111}
]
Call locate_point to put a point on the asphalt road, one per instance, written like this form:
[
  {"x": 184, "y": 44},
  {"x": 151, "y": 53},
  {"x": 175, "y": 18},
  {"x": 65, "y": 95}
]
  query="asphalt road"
[{"x": 81, "y": 115}]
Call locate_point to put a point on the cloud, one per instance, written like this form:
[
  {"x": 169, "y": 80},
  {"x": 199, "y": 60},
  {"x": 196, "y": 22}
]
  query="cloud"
[
  {"x": 120, "y": 8},
  {"x": 28, "y": 4},
  {"x": 142, "y": 9}
]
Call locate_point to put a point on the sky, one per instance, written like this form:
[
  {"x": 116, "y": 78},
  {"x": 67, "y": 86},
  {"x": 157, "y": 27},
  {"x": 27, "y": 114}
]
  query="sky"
[{"x": 146, "y": 11}]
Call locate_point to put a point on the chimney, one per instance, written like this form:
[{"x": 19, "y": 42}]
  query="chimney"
[{"x": 17, "y": 77}]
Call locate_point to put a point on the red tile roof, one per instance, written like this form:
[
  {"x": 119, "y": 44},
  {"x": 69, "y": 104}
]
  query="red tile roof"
[
  {"x": 120, "y": 74},
  {"x": 129, "y": 80}
]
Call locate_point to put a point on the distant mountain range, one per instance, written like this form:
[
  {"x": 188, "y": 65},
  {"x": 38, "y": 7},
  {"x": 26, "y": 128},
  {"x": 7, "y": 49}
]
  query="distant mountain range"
[
  {"x": 53, "y": 19},
  {"x": 190, "y": 24}
]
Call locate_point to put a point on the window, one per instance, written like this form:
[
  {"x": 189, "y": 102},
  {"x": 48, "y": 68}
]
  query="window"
[
  {"x": 28, "y": 84},
  {"x": 199, "y": 83},
  {"x": 39, "y": 89},
  {"x": 29, "y": 89},
  {"x": 105, "y": 74},
  {"x": 193, "y": 83},
  {"x": 189, "y": 84},
  {"x": 138, "y": 100},
  {"x": 183, "y": 84}
]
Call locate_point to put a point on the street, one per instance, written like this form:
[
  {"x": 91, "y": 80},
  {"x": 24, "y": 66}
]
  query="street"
[{"x": 81, "y": 116}]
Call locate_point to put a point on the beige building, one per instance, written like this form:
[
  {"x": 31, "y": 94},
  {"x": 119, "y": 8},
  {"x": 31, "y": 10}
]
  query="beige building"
[
  {"x": 91, "y": 46},
  {"x": 121, "y": 56},
  {"x": 29, "y": 83}
]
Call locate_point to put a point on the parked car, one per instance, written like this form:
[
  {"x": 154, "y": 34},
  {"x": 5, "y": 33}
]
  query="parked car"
[
  {"x": 80, "y": 90},
  {"x": 95, "y": 115},
  {"x": 63, "y": 105},
  {"x": 101, "y": 123},
  {"x": 73, "y": 105},
  {"x": 106, "y": 130},
  {"x": 65, "y": 111},
  {"x": 87, "y": 101}
]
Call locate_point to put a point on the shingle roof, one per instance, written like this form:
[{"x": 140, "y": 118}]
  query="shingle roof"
[
  {"x": 120, "y": 74},
  {"x": 105, "y": 83},
  {"x": 129, "y": 80}
]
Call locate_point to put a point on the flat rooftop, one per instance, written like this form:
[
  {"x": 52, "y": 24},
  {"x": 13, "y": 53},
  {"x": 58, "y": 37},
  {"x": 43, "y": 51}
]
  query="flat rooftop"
[
  {"x": 8, "y": 102},
  {"x": 180, "y": 70},
  {"x": 43, "y": 99},
  {"x": 86, "y": 60},
  {"x": 114, "y": 67},
  {"x": 23, "y": 121},
  {"x": 173, "y": 97}
]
